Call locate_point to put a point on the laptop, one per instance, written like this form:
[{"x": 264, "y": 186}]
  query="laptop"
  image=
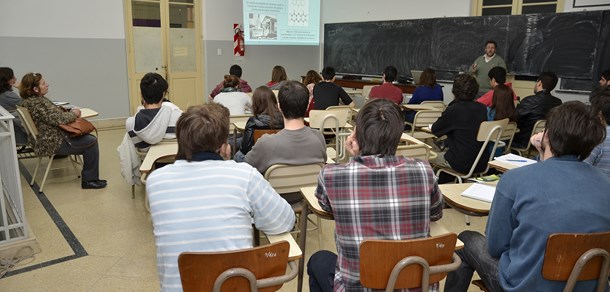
[{"x": 416, "y": 74}]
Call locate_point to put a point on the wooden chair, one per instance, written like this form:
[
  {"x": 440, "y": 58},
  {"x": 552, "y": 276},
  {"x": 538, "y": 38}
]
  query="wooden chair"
[
  {"x": 437, "y": 104},
  {"x": 32, "y": 131},
  {"x": 538, "y": 127},
  {"x": 573, "y": 257},
  {"x": 331, "y": 123},
  {"x": 489, "y": 132},
  {"x": 350, "y": 117},
  {"x": 508, "y": 134},
  {"x": 260, "y": 132},
  {"x": 423, "y": 119},
  {"x": 420, "y": 151},
  {"x": 286, "y": 179},
  {"x": 398, "y": 264},
  {"x": 262, "y": 267}
]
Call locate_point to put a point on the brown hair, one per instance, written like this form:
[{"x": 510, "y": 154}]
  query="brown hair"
[
  {"x": 28, "y": 83},
  {"x": 465, "y": 87},
  {"x": 264, "y": 102},
  {"x": 278, "y": 74},
  {"x": 503, "y": 102},
  {"x": 230, "y": 81},
  {"x": 574, "y": 128},
  {"x": 428, "y": 77},
  {"x": 202, "y": 128},
  {"x": 312, "y": 77},
  {"x": 379, "y": 126},
  {"x": 6, "y": 74}
]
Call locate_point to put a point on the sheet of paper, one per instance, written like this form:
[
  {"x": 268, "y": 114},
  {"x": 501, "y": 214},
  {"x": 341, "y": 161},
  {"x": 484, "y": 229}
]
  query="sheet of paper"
[
  {"x": 481, "y": 192},
  {"x": 515, "y": 159}
]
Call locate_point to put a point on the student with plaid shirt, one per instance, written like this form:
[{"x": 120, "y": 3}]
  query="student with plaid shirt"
[{"x": 376, "y": 195}]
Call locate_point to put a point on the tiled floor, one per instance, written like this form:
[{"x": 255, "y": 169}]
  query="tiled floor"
[{"x": 105, "y": 242}]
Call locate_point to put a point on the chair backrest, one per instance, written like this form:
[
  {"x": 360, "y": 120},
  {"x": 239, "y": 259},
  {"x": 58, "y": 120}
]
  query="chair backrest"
[
  {"x": 28, "y": 122},
  {"x": 489, "y": 132},
  {"x": 200, "y": 270},
  {"x": 275, "y": 92},
  {"x": 420, "y": 151},
  {"x": 425, "y": 118},
  {"x": 317, "y": 117},
  {"x": 260, "y": 132},
  {"x": 394, "y": 263},
  {"x": 366, "y": 90},
  {"x": 291, "y": 178},
  {"x": 508, "y": 134},
  {"x": 350, "y": 112},
  {"x": 576, "y": 257},
  {"x": 437, "y": 104}
]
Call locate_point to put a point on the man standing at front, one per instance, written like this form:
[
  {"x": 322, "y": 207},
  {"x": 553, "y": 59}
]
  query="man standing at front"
[
  {"x": 400, "y": 192},
  {"x": 483, "y": 64},
  {"x": 205, "y": 203}
]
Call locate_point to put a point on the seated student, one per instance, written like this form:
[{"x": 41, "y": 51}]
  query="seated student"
[
  {"x": 497, "y": 75},
  {"x": 604, "y": 79},
  {"x": 154, "y": 121},
  {"x": 561, "y": 194},
  {"x": 243, "y": 84},
  {"x": 600, "y": 156},
  {"x": 265, "y": 115},
  {"x": 460, "y": 122},
  {"x": 9, "y": 101},
  {"x": 204, "y": 202},
  {"x": 387, "y": 90},
  {"x": 427, "y": 89},
  {"x": 278, "y": 76},
  {"x": 311, "y": 79},
  {"x": 502, "y": 104},
  {"x": 327, "y": 93},
  {"x": 236, "y": 101},
  {"x": 156, "y": 118},
  {"x": 296, "y": 144},
  {"x": 401, "y": 192},
  {"x": 535, "y": 107}
]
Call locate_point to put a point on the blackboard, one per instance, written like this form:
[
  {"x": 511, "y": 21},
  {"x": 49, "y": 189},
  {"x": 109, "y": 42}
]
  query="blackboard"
[{"x": 573, "y": 45}]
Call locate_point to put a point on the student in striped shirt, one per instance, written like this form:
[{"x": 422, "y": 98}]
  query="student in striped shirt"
[{"x": 206, "y": 202}]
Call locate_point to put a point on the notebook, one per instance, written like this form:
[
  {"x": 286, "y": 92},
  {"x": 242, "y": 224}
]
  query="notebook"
[
  {"x": 481, "y": 192},
  {"x": 416, "y": 74}
]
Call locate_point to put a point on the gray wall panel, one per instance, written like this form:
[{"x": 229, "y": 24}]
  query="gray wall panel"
[
  {"x": 258, "y": 62},
  {"x": 86, "y": 72}
]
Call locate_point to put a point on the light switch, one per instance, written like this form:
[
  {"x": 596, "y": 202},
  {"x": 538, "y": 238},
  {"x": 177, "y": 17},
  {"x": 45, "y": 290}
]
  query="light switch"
[{"x": 219, "y": 52}]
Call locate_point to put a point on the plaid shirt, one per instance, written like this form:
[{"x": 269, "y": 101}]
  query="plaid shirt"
[{"x": 375, "y": 197}]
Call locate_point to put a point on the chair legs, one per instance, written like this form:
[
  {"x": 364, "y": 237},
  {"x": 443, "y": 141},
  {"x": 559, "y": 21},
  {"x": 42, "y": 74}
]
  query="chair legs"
[{"x": 74, "y": 159}]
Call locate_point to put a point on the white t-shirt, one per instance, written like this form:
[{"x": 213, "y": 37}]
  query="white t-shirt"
[{"x": 237, "y": 102}]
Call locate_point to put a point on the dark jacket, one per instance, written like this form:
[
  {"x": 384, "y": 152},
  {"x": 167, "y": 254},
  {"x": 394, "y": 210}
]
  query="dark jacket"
[
  {"x": 529, "y": 111},
  {"x": 258, "y": 122},
  {"x": 460, "y": 122}
]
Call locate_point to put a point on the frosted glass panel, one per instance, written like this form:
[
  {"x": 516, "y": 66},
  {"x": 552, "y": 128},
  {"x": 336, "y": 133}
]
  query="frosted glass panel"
[
  {"x": 182, "y": 51},
  {"x": 147, "y": 45}
]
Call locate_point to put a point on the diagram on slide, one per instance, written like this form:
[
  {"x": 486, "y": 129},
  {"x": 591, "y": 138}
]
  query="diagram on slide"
[
  {"x": 298, "y": 12},
  {"x": 263, "y": 26}
]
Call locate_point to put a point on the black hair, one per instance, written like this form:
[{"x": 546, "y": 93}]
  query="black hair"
[
  {"x": 379, "y": 126},
  {"x": 549, "y": 80},
  {"x": 465, "y": 87},
  {"x": 6, "y": 74},
  {"x": 293, "y": 97},
  {"x": 328, "y": 73},
  {"x": 390, "y": 73},
  {"x": 497, "y": 73},
  {"x": 235, "y": 70},
  {"x": 153, "y": 87}
]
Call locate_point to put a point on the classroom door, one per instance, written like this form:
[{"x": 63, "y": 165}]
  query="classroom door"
[{"x": 165, "y": 37}]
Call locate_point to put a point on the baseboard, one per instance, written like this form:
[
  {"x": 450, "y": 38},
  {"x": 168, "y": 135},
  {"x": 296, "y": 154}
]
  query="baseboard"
[{"x": 109, "y": 124}]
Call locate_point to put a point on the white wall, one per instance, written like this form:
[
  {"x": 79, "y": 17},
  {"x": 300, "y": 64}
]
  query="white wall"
[
  {"x": 62, "y": 18},
  {"x": 366, "y": 10}
]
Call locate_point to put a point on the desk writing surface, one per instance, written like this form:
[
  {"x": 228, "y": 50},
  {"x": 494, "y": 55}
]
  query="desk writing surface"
[
  {"x": 309, "y": 193},
  {"x": 87, "y": 113},
  {"x": 502, "y": 166},
  {"x": 410, "y": 140},
  {"x": 240, "y": 125},
  {"x": 295, "y": 251},
  {"x": 156, "y": 152},
  {"x": 453, "y": 196},
  {"x": 418, "y": 107}
]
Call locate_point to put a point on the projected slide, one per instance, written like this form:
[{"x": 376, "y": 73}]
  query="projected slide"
[{"x": 282, "y": 22}]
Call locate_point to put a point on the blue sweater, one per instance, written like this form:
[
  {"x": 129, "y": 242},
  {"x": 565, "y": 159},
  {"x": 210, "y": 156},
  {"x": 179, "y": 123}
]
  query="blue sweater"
[
  {"x": 559, "y": 195},
  {"x": 423, "y": 93}
]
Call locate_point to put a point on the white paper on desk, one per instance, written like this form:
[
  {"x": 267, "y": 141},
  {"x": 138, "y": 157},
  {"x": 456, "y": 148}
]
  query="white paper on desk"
[
  {"x": 480, "y": 192},
  {"x": 515, "y": 160}
]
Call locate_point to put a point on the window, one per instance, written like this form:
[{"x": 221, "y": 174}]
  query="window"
[{"x": 508, "y": 7}]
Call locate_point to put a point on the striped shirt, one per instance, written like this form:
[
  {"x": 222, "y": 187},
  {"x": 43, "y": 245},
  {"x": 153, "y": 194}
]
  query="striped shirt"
[
  {"x": 376, "y": 198},
  {"x": 210, "y": 206}
]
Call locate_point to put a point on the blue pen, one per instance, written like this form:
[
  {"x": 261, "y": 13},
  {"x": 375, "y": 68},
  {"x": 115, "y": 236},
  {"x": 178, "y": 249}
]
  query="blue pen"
[{"x": 517, "y": 160}]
